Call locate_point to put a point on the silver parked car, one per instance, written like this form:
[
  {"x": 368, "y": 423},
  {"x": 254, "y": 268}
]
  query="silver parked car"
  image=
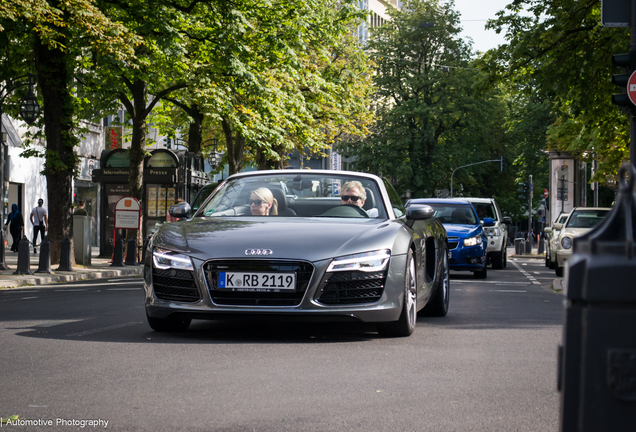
[
  {"x": 552, "y": 237},
  {"x": 329, "y": 245},
  {"x": 497, "y": 252}
]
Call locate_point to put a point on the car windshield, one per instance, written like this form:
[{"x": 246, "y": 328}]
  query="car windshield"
[
  {"x": 485, "y": 210},
  {"x": 296, "y": 195},
  {"x": 454, "y": 213},
  {"x": 586, "y": 218}
]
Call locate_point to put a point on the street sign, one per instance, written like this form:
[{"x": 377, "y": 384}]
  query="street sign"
[
  {"x": 631, "y": 87},
  {"x": 127, "y": 213},
  {"x": 545, "y": 193},
  {"x": 616, "y": 13}
]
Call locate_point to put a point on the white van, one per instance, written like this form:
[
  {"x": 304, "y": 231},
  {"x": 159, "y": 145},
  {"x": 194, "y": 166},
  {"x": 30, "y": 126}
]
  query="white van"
[{"x": 497, "y": 234}]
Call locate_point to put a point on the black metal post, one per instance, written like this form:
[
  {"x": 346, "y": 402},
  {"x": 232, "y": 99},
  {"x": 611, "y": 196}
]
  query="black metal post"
[
  {"x": 131, "y": 255},
  {"x": 65, "y": 256},
  {"x": 3, "y": 265},
  {"x": 45, "y": 257},
  {"x": 118, "y": 253},
  {"x": 24, "y": 258}
]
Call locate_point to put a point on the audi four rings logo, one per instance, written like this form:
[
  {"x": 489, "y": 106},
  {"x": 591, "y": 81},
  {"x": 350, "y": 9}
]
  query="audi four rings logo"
[{"x": 258, "y": 252}]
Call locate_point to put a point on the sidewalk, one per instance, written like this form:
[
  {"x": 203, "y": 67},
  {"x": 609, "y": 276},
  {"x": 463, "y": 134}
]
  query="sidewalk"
[{"x": 99, "y": 268}]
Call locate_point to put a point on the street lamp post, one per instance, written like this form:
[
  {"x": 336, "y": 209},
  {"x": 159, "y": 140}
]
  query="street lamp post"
[
  {"x": 214, "y": 158},
  {"x": 29, "y": 111}
]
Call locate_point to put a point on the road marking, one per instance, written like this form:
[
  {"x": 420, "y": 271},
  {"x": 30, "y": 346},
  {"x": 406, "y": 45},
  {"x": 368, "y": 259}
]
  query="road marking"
[
  {"x": 72, "y": 290},
  {"x": 510, "y": 291},
  {"x": 489, "y": 282},
  {"x": 94, "y": 285},
  {"x": 113, "y": 327},
  {"x": 28, "y": 298},
  {"x": 526, "y": 274}
]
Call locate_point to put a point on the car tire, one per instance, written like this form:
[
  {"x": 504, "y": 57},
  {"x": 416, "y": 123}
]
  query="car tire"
[
  {"x": 438, "y": 306},
  {"x": 405, "y": 325},
  {"x": 558, "y": 269},
  {"x": 168, "y": 324},
  {"x": 547, "y": 260},
  {"x": 481, "y": 274},
  {"x": 499, "y": 260},
  {"x": 505, "y": 260},
  {"x": 552, "y": 264}
]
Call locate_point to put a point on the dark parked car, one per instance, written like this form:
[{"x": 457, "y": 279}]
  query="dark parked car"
[
  {"x": 321, "y": 258},
  {"x": 467, "y": 240}
]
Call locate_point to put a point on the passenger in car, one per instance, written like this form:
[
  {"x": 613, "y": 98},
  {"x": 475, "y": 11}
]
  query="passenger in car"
[
  {"x": 353, "y": 193},
  {"x": 263, "y": 203}
]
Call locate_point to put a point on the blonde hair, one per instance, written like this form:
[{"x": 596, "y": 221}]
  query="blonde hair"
[{"x": 266, "y": 195}]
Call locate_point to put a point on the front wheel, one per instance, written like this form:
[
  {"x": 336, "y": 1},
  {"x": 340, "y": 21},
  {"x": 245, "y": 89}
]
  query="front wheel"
[
  {"x": 405, "y": 325},
  {"x": 557, "y": 268},
  {"x": 482, "y": 274},
  {"x": 438, "y": 306}
]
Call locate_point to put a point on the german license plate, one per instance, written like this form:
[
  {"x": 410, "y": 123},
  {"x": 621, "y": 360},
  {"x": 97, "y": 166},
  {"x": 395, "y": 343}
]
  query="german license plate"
[{"x": 257, "y": 281}]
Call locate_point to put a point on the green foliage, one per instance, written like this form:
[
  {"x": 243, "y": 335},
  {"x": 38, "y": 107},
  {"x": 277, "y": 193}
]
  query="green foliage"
[
  {"x": 431, "y": 118},
  {"x": 557, "y": 49}
]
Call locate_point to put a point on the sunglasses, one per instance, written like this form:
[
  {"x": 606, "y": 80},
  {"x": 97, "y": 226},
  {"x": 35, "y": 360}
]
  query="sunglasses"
[
  {"x": 257, "y": 202},
  {"x": 350, "y": 197}
]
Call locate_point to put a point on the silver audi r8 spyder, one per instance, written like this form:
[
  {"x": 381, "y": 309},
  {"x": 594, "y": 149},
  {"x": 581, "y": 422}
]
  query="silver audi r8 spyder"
[{"x": 332, "y": 245}]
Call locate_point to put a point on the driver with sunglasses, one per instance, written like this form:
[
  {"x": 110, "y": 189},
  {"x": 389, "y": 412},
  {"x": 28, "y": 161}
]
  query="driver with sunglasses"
[{"x": 353, "y": 194}]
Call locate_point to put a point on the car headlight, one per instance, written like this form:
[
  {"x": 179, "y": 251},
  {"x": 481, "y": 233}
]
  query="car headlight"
[
  {"x": 493, "y": 232},
  {"x": 165, "y": 259},
  {"x": 566, "y": 242},
  {"x": 366, "y": 262},
  {"x": 472, "y": 241}
]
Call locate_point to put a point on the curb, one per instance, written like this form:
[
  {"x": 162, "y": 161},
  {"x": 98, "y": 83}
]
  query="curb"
[{"x": 27, "y": 280}]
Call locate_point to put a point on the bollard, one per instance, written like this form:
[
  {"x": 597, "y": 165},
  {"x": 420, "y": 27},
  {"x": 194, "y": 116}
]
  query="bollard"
[
  {"x": 520, "y": 246},
  {"x": 24, "y": 258},
  {"x": 131, "y": 255},
  {"x": 541, "y": 246},
  {"x": 528, "y": 250},
  {"x": 597, "y": 357},
  {"x": 118, "y": 254},
  {"x": 65, "y": 256},
  {"x": 3, "y": 265},
  {"x": 45, "y": 257}
]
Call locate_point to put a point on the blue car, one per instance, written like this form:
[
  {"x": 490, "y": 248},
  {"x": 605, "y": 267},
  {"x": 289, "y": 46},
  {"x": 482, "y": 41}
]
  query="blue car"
[{"x": 467, "y": 241}]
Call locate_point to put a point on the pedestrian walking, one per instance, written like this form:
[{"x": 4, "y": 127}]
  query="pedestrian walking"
[
  {"x": 40, "y": 221},
  {"x": 15, "y": 222}
]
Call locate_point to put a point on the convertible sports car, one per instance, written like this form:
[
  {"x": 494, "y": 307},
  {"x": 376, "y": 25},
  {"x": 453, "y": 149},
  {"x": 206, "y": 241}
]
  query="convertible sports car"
[{"x": 336, "y": 245}]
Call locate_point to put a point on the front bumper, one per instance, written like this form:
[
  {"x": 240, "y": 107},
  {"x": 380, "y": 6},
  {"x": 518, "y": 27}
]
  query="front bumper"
[
  {"x": 470, "y": 258},
  {"x": 306, "y": 305},
  {"x": 562, "y": 255}
]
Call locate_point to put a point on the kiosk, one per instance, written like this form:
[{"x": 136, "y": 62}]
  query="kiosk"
[
  {"x": 168, "y": 176},
  {"x": 114, "y": 176}
]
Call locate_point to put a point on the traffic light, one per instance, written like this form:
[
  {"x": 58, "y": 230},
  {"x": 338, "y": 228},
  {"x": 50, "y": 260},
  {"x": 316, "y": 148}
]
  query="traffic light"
[
  {"x": 627, "y": 62},
  {"x": 523, "y": 191}
]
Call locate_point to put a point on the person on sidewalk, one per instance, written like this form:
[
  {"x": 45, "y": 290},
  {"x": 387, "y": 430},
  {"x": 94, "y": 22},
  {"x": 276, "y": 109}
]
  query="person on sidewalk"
[
  {"x": 15, "y": 222},
  {"x": 39, "y": 221},
  {"x": 81, "y": 209}
]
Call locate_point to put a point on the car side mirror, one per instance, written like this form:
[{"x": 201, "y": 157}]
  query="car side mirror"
[
  {"x": 488, "y": 222},
  {"x": 557, "y": 226},
  {"x": 419, "y": 212},
  {"x": 548, "y": 230},
  {"x": 507, "y": 220},
  {"x": 180, "y": 211}
]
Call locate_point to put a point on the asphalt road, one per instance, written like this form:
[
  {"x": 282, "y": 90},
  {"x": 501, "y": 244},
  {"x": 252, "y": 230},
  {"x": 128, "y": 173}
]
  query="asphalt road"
[{"x": 83, "y": 351}]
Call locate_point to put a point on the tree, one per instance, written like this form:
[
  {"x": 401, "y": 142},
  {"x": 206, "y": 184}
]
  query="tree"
[
  {"x": 559, "y": 50},
  {"x": 431, "y": 119},
  {"x": 55, "y": 34}
]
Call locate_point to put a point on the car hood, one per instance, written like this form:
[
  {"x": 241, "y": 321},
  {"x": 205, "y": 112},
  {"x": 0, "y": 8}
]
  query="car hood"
[
  {"x": 308, "y": 239},
  {"x": 462, "y": 231},
  {"x": 574, "y": 232}
]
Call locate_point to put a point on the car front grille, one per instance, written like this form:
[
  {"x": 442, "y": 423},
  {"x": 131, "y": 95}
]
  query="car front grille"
[
  {"x": 453, "y": 242},
  {"x": 175, "y": 285},
  {"x": 354, "y": 287},
  {"x": 226, "y": 297}
]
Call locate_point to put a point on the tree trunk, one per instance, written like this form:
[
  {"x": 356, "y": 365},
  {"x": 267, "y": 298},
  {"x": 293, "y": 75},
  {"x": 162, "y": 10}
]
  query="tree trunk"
[
  {"x": 195, "y": 130},
  {"x": 54, "y": 78},
  {"x": 235, "y": 146},
  {"x": 139, "y": 94}
]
